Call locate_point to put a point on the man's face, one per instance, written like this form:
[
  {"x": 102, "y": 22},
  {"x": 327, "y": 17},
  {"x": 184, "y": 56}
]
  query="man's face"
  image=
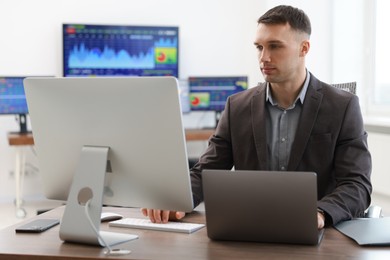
[{"x": 281, "y": 52}]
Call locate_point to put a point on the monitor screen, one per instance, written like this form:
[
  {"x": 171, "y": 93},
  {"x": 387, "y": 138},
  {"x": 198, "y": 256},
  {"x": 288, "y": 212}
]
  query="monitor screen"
[
  {"x": 113, "y": 50},
  {"x": 211, "y": 93},
  {"x": 144, "y": 133},
  {"x": 12, "y": 96}
]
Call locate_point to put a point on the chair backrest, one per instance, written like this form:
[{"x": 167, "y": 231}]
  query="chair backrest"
[{"x": 349, "y": 86}]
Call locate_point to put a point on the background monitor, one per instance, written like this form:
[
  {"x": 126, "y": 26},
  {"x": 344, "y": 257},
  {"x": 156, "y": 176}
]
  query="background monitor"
[
  {"x": 138, "y": 118},
  {"x": 113, "y": 50},
  {"x": 211, "y": 93},
  {"x": 12, "y": 96},
  {"x": 13, "y": 100}
]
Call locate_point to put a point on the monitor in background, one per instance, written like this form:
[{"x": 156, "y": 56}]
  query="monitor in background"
[
  {"x": 211, "y": 93},
  {"x": 85, "y": 125},
  {"x": 13, "y": 100},
  {"x": 113, "y": 50}
]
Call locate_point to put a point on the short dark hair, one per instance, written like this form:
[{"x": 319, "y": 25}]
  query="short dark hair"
[{"x": 283, "y": 14}]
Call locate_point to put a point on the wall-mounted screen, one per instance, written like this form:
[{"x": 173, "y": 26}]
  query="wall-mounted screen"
[
  {"x": 113, "y": 50},
  {"x": 211, "y": 93}
]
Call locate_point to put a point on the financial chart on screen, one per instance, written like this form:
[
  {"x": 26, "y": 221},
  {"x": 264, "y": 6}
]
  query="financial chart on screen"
[
  {"x": 211, "y": 93},
  {"x": 112, "y": 50}
]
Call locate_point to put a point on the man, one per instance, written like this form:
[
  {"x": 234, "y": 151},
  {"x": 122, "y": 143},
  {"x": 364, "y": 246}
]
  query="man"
[{"x": 292, "y": 122}]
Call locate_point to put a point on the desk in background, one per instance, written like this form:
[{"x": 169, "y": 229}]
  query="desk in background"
[
  {"x": 169, "y": 245},
  {"x": 198, "y": 134},
  {"x": 191, "y": 135},
  {"x": 20, "y": 141},
  {"x": 15, "y": 138}
]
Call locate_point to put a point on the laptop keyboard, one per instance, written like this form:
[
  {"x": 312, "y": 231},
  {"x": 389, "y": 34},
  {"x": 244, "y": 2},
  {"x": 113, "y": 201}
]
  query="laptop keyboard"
[{"x": 141, "y": 223}]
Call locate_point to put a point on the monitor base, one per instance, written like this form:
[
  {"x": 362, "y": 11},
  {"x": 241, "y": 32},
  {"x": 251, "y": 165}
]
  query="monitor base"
[{"x": 81, "y": 220}]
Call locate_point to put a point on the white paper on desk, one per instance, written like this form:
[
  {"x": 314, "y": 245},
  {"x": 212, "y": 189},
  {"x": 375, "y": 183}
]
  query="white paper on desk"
[{"x": 367, "y": 231}]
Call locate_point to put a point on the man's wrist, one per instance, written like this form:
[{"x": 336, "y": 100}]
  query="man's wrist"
[{"x": 321, "y": 212}]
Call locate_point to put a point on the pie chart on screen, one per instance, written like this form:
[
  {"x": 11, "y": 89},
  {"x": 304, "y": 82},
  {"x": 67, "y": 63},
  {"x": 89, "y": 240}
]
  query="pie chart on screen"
[
  {"x": 200, "y": 100},
  {"x": 195, "y": 101},
  {"x": 161, "y": 57}
]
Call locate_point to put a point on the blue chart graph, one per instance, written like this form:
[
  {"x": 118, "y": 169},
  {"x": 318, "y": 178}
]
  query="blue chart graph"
[
  {"x": 166, "y": 43},
  {"x": 108, "y": 58},
  {"x": 120, "y": 50}
]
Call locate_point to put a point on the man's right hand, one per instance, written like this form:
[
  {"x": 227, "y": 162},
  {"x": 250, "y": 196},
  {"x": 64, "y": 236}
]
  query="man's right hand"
[{"x": 162, "y": 216}]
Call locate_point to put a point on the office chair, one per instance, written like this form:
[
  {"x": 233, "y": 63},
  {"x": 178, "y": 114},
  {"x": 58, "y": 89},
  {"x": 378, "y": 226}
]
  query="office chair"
[
  {"x": 348, "y": 86},
  {"x": 373, "y": 211}
]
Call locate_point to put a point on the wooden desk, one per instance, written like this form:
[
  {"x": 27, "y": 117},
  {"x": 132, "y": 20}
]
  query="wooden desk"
[
  {"x": 198, "y": 134},
  {"x": 167, "y": 245},
  {"x": 15, "y": 138}
]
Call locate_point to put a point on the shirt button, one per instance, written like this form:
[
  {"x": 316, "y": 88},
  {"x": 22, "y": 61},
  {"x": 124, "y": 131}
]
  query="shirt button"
[
  {"x": 282, "y": 168},
  {"x": 283, "y": 139}
]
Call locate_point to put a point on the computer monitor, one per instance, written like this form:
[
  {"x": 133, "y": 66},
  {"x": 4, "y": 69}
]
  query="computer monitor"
[
  {"x": 116, "y": 50},
  {"x": 13, "y": 100},
  {"x": 131, "y": 126},
  {"x": 211, "y": 93}
]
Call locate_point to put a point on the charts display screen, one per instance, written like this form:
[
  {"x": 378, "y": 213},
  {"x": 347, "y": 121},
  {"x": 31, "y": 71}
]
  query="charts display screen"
[
  {"x": 211, "y": 93},
  {"x": 112, "y": 50},
  {"x": 12, "y": 98}
]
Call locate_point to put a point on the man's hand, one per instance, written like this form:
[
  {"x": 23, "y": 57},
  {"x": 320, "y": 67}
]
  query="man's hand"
[
  {"x": 321, "y": 220},
  {"x": 162, "y": 216}
]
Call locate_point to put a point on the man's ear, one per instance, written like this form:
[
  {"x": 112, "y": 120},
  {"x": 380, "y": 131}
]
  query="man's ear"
[{"x": 305, "y": 47}]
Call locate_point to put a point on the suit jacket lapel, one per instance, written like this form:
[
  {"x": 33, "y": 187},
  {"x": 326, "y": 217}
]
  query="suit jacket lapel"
[
  {"x": 259, "y": 126},
  {"x": 308, "y": 117}
]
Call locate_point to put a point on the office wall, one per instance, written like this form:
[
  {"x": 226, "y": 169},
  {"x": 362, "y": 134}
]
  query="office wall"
[{"x": 210, "y": 31}]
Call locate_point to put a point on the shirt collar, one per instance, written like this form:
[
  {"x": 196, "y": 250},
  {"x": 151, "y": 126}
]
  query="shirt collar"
[{"x": 300, "y": 97}]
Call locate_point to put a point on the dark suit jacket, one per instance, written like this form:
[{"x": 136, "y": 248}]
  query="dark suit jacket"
[{"x": 330, "y": 141}]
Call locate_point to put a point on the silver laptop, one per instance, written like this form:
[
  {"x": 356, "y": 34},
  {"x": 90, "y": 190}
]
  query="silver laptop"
[{"x": 261, "y": 206}]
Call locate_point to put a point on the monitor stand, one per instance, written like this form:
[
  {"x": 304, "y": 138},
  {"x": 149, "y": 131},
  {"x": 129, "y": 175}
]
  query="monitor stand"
[
  {"x": 87, "y": 191},
  {"x": 22, "y": 120}
]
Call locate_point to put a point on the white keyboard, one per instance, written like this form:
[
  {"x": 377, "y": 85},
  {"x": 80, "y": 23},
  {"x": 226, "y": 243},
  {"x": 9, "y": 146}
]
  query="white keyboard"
[{"x": 147, "y": 224}]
